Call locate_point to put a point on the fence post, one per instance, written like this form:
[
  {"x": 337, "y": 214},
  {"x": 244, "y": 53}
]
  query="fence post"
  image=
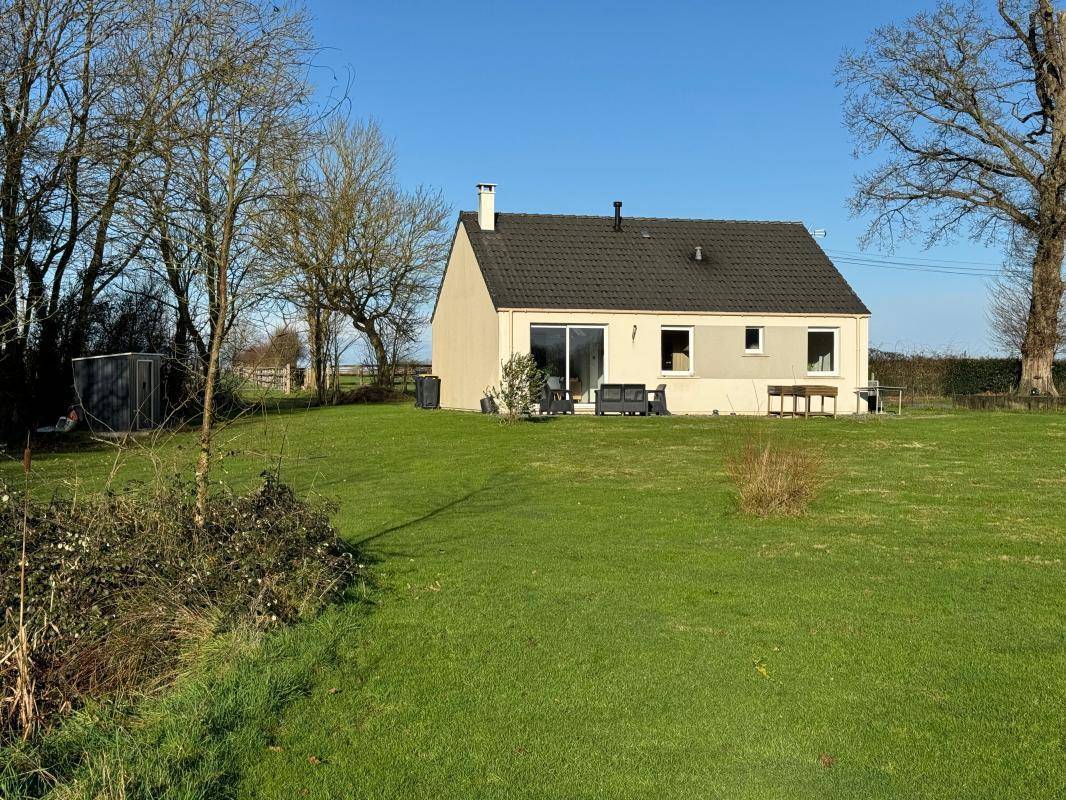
[{"x": 288, "y": 379}]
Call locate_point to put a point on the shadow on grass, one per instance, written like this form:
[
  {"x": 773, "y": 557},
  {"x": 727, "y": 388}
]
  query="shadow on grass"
[{"x": 435, "y": 512}]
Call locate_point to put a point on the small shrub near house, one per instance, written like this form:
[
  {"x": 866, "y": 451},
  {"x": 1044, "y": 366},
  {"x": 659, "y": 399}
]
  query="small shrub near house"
[
  {"x": 521, "y": 384},
  {"x": 775, "y": 479},
  {"x": 117, "y": 587}
]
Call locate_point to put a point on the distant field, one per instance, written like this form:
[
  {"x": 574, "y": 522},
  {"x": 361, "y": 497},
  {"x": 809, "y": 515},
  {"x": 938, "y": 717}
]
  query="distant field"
[{"x": 574, "y": 608}]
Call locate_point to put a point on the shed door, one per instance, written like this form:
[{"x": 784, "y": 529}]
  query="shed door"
[{"x": 144, "y": 395}]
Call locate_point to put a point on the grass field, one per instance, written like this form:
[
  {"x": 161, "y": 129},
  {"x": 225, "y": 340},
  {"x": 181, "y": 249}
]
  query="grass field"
[{"x": 574, "y": 608}]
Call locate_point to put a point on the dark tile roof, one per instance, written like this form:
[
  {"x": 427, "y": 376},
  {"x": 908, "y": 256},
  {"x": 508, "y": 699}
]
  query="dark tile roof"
[{"x": 555, "y": 261}]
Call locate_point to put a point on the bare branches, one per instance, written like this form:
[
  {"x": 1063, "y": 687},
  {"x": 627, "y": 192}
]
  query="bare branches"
[
  {"x": 969, "y": 116},
  {"x": 356, "y": 244},
  {"x": 955, "y": 118}
]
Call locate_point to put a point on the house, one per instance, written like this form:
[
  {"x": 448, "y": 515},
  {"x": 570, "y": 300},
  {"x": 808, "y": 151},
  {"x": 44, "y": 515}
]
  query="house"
[{"x": 716, "y": 310}]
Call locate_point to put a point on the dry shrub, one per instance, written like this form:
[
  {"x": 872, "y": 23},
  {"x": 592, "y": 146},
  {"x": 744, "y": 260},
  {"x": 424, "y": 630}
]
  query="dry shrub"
[
  {"x": 371, "y": 393},
  {"x": 118, "y": 587},
  {"x": 776, "y": 480}
]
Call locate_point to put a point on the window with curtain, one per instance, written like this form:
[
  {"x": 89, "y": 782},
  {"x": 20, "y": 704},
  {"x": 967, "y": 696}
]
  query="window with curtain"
[
  {"x": 676, "y": 351},
  {"x": 822, "y": 351}
]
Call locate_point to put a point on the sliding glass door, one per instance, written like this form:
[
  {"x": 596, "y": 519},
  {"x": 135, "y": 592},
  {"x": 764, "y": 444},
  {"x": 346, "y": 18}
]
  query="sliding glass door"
[{"x": 572, "y": 356}]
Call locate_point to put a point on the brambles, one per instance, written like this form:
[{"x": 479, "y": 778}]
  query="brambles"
[{"x": 118, "y": 586}]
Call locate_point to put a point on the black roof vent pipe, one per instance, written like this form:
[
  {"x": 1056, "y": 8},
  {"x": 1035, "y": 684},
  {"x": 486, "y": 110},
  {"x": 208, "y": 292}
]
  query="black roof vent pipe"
[{"x": 618, "y": 215}]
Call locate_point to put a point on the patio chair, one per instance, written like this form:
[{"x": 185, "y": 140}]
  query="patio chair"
[
  {"x": 657, "y": 401},
  {"x": 609, "y": 399},
  {"x": 556, "y": 401},
  {"x": 545, "y": 403},
  {"x": 562, "y": 401},
  {"x": 635, "y": 399}
]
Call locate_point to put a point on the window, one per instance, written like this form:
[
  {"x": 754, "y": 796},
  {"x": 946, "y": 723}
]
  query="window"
[
  {"x": 753, "y": 340},
  {"x": 571, "y": 357},
  {"x": 676, "y": 351},
  {"x": 822, "y": 351}
]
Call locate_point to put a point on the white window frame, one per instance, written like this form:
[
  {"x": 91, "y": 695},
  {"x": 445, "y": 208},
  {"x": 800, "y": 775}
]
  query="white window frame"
[
  {"x": 691, "y": 351},
  {"x": 758, "y": 351},
  {"x": 836, "y": 351}
]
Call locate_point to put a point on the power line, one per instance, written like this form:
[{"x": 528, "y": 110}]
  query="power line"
[
  {"x": 914, "y": 265},
  {"x": 931, "y": 268},
  {"x": 937, "y": 270},
  {"x": 915, "y": 259}
]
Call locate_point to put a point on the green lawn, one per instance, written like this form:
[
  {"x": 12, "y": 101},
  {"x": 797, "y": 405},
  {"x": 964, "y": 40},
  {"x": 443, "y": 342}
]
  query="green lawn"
[{"x": 575, "y": 609}]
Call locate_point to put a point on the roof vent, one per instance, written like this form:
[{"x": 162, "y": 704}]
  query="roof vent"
[
  {"x": 644, "y": 233},
  {"x": 699, "y": 254},
  {"x": 618, "y": 215}
]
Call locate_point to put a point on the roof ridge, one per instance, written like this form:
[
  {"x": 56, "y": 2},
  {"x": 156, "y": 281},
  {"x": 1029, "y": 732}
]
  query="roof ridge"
[{"x": 625, "y": 219}]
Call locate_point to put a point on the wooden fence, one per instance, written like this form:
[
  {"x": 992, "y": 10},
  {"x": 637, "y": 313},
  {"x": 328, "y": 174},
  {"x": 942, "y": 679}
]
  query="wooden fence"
[
  {"x": 289, "y": 379},
  {"x": 1013, "y": 402},
  {"x": 281, "y": 379},
  {"x": 403, "y": 375}
]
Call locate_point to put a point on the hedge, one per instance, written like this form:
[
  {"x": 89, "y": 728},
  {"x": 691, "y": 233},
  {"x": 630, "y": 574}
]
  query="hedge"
[{"x": 934, "y": 375}]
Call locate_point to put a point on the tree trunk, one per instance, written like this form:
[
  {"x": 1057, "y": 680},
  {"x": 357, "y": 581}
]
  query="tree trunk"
[
  {"x": 12, "y": 364},
  {"x": 316, "y": 374},
  {"x": 203, "y": 463},
  {"x": 1041, "y": 330},
  {"x": 381, "y": 356},
  {"x": 175, "y": 389}
]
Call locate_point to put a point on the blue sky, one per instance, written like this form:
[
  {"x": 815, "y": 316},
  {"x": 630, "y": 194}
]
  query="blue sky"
[{"x": 717, "y": 110}]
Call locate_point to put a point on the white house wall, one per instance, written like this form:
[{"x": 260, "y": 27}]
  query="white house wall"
[
  {"x": 725, "y": 378},
  {"x": 465, "y": 347}
]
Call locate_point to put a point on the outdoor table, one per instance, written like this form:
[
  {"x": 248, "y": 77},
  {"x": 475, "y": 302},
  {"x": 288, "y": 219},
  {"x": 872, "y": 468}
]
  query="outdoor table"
[{"x": 807, "y": 392}]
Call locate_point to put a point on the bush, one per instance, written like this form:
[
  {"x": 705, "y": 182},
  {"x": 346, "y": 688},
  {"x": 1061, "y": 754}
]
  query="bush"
[
  {"x": 116, "y": 587},
  {"x": 521, "y": 384},
  {"x": 944, "y": 374},
  {"x": 775, "y": 480}
]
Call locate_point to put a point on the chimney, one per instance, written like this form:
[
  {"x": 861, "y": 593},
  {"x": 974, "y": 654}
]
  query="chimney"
[
  {"x": 618, "y": 215},
  {"x": 486, "y": 206}
]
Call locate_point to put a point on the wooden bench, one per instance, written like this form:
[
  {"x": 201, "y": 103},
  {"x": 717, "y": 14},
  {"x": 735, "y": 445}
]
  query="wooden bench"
[{"x": 796, "y": 392}]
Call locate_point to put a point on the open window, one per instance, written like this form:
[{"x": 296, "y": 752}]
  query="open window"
[
  {"x": 822, "y": 351},
  {"x": 753, "y": 339},
  {"x": 676, "y": 351}
]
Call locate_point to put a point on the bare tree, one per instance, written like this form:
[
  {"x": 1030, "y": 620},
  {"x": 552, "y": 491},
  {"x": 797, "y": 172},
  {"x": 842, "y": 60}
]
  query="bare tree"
[
  {"x": 296, "y": 238},
  {"x": 46, "y": 49},
  {"x": 348, "y": 240},
  {"x": 1009, "y": 301},
  {"x": 387, "y": 245},
  {"x": 217, "y": 167},
  {"x": 970, "y": 111},
  {"x": 282, "y": 347},
  {"x": 82, "y": 91}
]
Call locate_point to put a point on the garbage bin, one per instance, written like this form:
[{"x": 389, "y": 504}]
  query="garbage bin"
[
  {"x": 430, "y": 394},
  {"x": 873, "y": 397},
  {"x": 418, "y": 391}
]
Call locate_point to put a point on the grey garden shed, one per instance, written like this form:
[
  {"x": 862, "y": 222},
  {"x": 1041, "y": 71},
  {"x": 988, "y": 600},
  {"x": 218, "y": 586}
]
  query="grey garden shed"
[{"x": 120, "y": 392}]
